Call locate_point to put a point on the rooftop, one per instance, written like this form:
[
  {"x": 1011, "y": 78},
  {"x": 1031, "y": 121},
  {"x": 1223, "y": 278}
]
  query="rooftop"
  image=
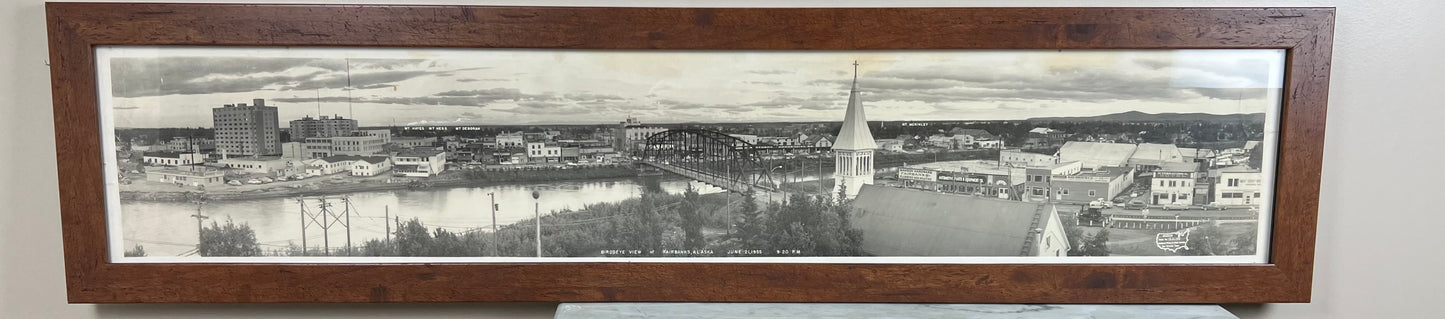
[
  {"x": 418, "y": 153},
  {"x": 165, "y": 154},
  {"x": 1097, "y": 153},
  {"x": 906, "y": 222},
  {"x": 970, "y": 166}
]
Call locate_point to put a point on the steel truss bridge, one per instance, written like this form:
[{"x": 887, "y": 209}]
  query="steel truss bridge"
[{"x": 714, "y": 158}]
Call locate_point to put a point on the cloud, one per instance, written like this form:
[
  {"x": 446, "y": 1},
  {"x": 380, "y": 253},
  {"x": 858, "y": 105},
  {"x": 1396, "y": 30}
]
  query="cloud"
[
  {"x": 140, "y": 77},
  {"x": 769, "y": 72},
  {"x": 593, "y": 97}
]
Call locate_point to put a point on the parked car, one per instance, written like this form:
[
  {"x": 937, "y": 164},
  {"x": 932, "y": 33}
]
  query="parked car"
[
  {"x": 1136, "y": 205},
  {"x": 1101, "y": 203},
  {"x": 1176, "y": 207},
  {"x": 1213, "y": 206}
]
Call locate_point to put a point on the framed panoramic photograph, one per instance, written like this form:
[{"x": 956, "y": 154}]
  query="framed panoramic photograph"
[{"x": 256, "y": 153}]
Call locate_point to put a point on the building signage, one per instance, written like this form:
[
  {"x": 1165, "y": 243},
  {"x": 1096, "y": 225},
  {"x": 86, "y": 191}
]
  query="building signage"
[{"x": 1158, "y": 174}]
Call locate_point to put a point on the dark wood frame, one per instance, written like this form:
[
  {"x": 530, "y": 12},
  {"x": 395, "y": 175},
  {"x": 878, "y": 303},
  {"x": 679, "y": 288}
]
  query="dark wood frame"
[{"x": 74, "y": 29}]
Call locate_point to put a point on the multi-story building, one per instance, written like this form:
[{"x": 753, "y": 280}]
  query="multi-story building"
[
  {"x": 191, "y": 145},
  {"x": 326, "y": 126},
  {"x": 419, "y": 162},
  {"x": 383, "y": 134},
  {"x": 247, "y": 130},
  {"x": 632, "y": 132},
  {"x": 1237, "y": 185},
  {"x": 357, "y": 145},
  {"x": 539, "y": 152},
  {"x": 1173, "y": 183},
  {"x": 510, "y": 140},
  {"x": 1039, "y": 180},
  {"x": 316, "y": 147}
]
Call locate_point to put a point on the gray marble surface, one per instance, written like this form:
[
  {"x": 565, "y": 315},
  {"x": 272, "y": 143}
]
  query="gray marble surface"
[{"x": 838, "y": 310}]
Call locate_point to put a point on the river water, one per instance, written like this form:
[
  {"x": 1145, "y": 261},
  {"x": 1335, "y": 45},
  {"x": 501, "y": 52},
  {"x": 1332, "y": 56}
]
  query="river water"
[{"x": 167, "y": 228}]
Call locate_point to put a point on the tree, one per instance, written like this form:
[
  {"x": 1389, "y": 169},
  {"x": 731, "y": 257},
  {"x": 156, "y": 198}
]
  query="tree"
[
  {"x": 1205, "y": 241},
  {"x": 228, "y": 240},
  {"x": 1256, "y": 156},
  {"x": 750, "y": 230},
  {"x": 1096, "y": 244},
  {"x": 690, "y": 214},
  {"x": 412, "y": 238},
  {"x": 138, "y": 251}
]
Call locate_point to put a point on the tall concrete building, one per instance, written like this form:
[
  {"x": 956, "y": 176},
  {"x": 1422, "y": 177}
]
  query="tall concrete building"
[
  {"x": 853, "y": 151},
  {"x": 326, "y": 126},
  {"x": 247, "y": 130}
]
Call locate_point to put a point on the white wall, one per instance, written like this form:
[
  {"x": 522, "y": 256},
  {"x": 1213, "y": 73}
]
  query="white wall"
[{"x": 1378, "y": 246}]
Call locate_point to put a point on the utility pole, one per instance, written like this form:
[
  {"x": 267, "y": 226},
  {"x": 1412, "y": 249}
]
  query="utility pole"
[
  {"x": 200, "y": 201},
  {"x": 386, "y": 219},
  {"x": 495, "y": 251},
  {"x": 347, "y": 200},
  {"x": 538, "y": 214}
]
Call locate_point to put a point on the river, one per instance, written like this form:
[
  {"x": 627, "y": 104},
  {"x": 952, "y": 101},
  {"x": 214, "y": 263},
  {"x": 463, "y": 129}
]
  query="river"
[{"x": 167, "y": 228}]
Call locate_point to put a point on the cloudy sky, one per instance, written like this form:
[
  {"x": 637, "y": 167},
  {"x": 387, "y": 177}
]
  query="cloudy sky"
[{"x": 177, "y": 87}]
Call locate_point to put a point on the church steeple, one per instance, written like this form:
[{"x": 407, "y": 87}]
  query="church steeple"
[
  {"x": 853, "y": 151},
  {"x": 855, "y": 134}
]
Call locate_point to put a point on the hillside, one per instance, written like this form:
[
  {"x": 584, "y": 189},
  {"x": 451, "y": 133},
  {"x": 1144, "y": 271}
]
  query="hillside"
[{"x": 1136, "y": 116}]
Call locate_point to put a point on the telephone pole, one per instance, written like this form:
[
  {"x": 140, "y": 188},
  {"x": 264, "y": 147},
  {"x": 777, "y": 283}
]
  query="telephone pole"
[
  {"x": 495, "y": 250},
  {"x": 538, "y": 212},
  {"x": 200, "y": 201}
]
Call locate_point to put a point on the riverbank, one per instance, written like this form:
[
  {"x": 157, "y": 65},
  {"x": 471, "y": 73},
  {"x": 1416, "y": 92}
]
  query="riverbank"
[{"x": 338, "y": 185}]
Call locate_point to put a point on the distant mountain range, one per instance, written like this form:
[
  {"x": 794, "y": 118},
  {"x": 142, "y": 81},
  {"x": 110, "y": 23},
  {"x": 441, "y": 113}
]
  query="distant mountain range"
[{"x": 1136, "y": 116}]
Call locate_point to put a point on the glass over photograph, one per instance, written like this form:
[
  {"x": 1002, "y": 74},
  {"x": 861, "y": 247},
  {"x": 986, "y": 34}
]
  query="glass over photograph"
[{"x": 364, "y": 155}]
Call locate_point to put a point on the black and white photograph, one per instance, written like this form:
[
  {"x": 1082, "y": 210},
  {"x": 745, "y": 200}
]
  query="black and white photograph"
[{"x": 502, "y": 155}]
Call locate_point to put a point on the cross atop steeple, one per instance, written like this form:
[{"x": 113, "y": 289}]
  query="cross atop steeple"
[{"x": 855, "y": 75}]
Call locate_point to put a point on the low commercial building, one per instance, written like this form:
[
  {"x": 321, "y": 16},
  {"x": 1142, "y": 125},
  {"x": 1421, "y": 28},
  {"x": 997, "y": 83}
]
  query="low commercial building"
[
  {"x": 330, "y": 165},
  {"x": 891, "y": 145},
  {"x": 751, "y": 139},
  {"x": 270, "y": 165},
  {"x": 1237, "y": 185},
  {"x": 1020, "y": 158},
  {"x": 1086, "y": 186},
  {"x": 1148, "y": 156},
  {"x": 419, "y": 163},
  {"x": 905, "y": 222},
  {"x": 1094, "y": 155},
  {"x": 173, "y": 158},
  {"x": 510, "y": 140},
  {"x": 969, "y": 177},
  {"x": 370, "y": 166},
  {"x": 188, "y": 175}
]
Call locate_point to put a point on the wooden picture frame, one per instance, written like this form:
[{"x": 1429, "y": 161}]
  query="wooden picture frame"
[{"x": 75, "y": 29}]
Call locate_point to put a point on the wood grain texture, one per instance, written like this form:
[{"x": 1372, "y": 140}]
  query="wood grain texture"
[{"x": 75, "y": 28}]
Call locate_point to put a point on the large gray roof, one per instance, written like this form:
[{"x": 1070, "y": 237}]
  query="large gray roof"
[{"x": 908, "y": 222}]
